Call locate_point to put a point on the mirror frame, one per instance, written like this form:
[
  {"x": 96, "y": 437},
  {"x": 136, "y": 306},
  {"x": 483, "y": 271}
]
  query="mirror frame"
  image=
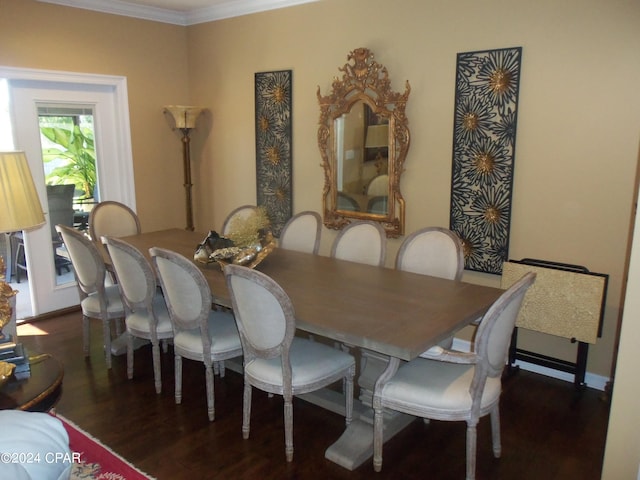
[{"x": 368, "y": 81}]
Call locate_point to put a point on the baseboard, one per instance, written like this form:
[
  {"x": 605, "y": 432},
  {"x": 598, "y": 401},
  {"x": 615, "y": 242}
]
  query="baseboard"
[{"x": 597, "y": 382}]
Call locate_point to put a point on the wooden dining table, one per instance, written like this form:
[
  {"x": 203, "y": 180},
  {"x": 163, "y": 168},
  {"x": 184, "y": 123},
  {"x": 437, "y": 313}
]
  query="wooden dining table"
[{"x": 391, "y": 314}]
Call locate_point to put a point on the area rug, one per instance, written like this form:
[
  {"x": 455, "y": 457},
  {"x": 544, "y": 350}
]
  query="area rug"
[{"x": 97, "y": 461}]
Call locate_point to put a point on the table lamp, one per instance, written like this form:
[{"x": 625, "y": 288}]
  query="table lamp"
[
  {"x": 185, "y": 118},
  {"x": 21, "y": 210}
]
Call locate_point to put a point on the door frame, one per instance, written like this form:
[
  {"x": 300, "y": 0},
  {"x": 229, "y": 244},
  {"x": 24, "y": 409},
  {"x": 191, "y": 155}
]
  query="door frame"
[{"x": 120, "y": 167}]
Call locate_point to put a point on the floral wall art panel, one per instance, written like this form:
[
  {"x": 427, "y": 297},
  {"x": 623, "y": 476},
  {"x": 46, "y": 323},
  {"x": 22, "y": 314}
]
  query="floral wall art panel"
[
  {"x": 273, "y": 145},
  {"x": 484, "y": 142}
]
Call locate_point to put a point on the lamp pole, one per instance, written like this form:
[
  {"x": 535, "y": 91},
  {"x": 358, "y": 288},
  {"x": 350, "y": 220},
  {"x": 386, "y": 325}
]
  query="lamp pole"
[
  {"x": 185, "y": 120},
  {"x": 186, "y": 155}
]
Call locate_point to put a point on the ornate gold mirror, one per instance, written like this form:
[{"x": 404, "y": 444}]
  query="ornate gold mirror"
[{"x": 363, "y": 139}]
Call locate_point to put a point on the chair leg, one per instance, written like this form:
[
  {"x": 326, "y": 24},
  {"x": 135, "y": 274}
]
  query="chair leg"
[
  {"x": 106, "y": 332},
  {"x": 472, "y": 434},
  {"x": 157, "y": 375},
  {"x": 85, "y": 335},
  {"x": 378, "y": 428},
  {"x": 246, "y": 410},
  {"x": 129, "y": 355},
  {"x": 495, "y": 432},
  {"x": 288, "y": 427},
  {"x": 210, "y": 395},
  {"x": 178, "y": 376}
]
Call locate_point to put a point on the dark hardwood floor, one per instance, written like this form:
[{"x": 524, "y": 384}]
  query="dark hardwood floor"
[{"x": 547, "y": 430}]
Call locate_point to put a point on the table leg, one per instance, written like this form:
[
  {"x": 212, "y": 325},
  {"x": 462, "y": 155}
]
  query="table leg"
[{"x": 355, "y": 445}]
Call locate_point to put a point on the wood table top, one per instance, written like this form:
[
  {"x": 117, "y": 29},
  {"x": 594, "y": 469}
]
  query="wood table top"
[{"x": 389, "y": 311}]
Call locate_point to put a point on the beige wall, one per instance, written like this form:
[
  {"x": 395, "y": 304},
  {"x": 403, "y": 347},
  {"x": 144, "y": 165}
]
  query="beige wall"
[
  {"x": 152, "y": 56},
  {"x": 577, "y": 127},
  {"x": 578, "y": 123}
]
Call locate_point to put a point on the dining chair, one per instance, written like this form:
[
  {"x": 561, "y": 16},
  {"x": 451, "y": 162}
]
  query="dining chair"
[
  {"x": 379, "y": 186},
  {"x": 432, "y": 251},
  {"x": 199, "y": 333},
  {"x": 146, "y": 314},
  {"x": 302, "y": 233},
  {"x": 114, "y": 219},
  {"x": 241, "y": 212},
  {"x": 362, "y": 241},
  {"x": 275, "y": 360},
  {"x": 456, "y": 386},
  {"x": 97, "y": 300}
]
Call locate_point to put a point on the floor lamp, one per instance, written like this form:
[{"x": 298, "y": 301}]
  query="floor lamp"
[
  {"x": 21, "y": 210},
  {"x": 185, "y": 118}
]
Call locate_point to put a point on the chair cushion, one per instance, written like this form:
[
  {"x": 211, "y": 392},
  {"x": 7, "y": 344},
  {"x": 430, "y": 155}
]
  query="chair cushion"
[
  {"x": 438, "y": 386},
  {"x": 138, "y": 322},
  {"x": 115, "y": 308},
  {"x": 310, "y": 363},
  {"x": 222, "y": 331},
  {"x": 31, "y": 436}
]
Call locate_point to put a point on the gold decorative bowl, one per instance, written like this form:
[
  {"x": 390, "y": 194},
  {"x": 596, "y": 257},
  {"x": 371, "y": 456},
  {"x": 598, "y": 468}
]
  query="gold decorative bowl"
[
  {"x": 6, "y": 372},
  {"x": 249, "y": 256}
]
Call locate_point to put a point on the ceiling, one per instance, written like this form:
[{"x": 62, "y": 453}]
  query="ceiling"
[{"x": 180, "y": 12}]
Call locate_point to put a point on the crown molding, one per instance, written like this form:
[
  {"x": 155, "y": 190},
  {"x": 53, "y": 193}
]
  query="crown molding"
[{"x": 220, "y": 9}]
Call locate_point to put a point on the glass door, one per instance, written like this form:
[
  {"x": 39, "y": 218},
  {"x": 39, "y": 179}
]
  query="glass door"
[{"x": 67, "y": 129}]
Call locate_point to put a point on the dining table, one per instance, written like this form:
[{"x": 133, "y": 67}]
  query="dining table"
[{"x": 389, "y": 315}]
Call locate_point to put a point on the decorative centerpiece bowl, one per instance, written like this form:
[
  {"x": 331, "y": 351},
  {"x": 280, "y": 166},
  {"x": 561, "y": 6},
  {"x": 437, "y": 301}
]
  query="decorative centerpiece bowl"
[{"x": 248, "y": 243}]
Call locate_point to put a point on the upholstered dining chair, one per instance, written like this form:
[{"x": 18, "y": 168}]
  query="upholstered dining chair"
[
  {"x": 275, "y": 360},
  {"x": 97, "y": 300},
  {"x": 456, "y": 386},
  {"x": 199, "y": 333},
  {"x": 432, "y": 251},
  {"x": 146, "y": 314},
  {"x": 241, "y": 212},
  {"x": 114, "y": 219},
  {"x": 301, "y": 233},
  {"x": 361, "y": 241}
]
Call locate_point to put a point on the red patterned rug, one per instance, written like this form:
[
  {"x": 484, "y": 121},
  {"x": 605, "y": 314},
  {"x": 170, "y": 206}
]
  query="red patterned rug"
[{"x": 98, "y": 462}]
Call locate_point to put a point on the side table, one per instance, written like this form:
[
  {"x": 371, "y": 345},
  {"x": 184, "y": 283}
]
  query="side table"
[{"x": 38, "y": 393}]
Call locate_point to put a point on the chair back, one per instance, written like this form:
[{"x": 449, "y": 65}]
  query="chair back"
[
  {"x": 432, "y": 251},
  {"x": 186, "y": 291},
  {"x": 88, "y": 263},
  {"x": 361, "y": 241},
  {"x": 346, "y": 202},
  {"x": 242, "y": 212},
  {"x": 379, "y": 186},
  {"x": 378, "y": 205},
  {"x": 113, "y": 219},
  {"x": 302, "y": 233},
  {"x": 60, "y": 201},
  {"x": 136, "y": 278},
  {"x": 494, "y": 332},
  {"x": 263, "y": 311}
]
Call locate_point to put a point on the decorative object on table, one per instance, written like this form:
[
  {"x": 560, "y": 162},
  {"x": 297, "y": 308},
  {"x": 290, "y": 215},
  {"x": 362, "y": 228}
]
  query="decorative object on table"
[
  {"x": 248, "y": 242},
  {"x": 21, "y": 210},
  {"x": 185, "y": 118},
  {"x": 273, "y": 145},
  {"x": 484, "y": 142}
]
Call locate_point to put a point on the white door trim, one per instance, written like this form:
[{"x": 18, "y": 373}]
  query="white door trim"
[
  {"x": 45, "y": 294},
  {"x": 123, "y": 164}
]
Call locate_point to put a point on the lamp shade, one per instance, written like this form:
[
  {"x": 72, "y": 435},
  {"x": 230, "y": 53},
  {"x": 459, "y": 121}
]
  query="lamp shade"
[
  {"x": 184, "y": 116},
  {"x": 20, "y": 207},
  {"x": 377, "y": 136}
]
